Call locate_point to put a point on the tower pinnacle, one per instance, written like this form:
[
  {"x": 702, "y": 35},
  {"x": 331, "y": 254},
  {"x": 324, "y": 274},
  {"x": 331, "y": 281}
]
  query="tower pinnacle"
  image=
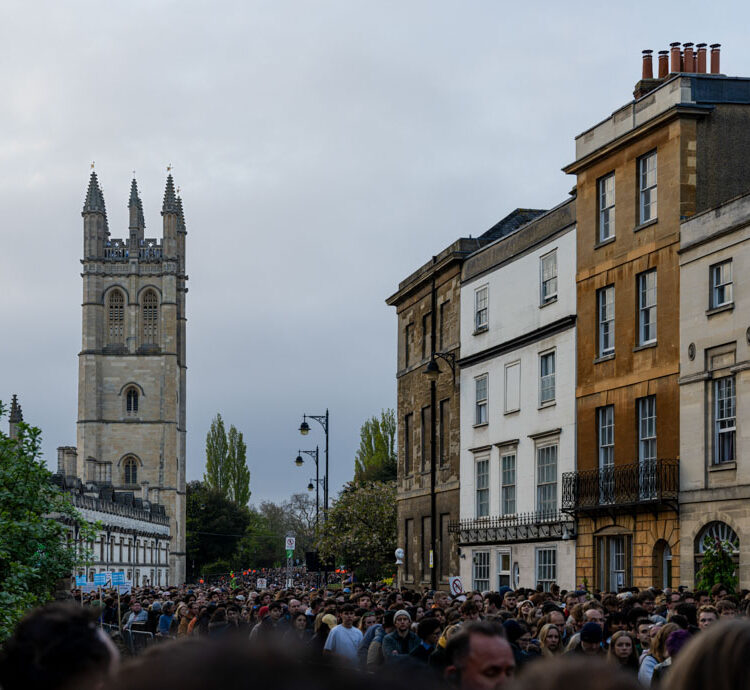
[
  {"x": 135, "y": 205},
  {"x": 16, "y": 414},
  {"x": 170, "y": 199},
  {"x": 94, "y": 198}
]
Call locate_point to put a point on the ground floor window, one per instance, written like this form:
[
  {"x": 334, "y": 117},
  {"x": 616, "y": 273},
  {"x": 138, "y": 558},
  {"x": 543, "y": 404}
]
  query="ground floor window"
[
  {"x": 662, "y": 564},
  {"x": 546, "y": 568},
  {"x": 481, "y": 575},
  {"x": 614, "y": 561},
  {"x": 503, "y": 569},
  {"x": 716, "y": 530}
]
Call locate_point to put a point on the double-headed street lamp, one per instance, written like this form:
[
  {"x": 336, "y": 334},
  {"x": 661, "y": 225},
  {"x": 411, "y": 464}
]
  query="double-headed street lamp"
[
  {"x": 299, "y": 461},
  {"x": 304, "y": 429}
]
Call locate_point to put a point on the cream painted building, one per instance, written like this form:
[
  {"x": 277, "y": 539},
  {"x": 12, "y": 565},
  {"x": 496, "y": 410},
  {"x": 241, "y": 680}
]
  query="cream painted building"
[
  {"x": 715, "y": 384},
  {"x": 132, "y": 374}
]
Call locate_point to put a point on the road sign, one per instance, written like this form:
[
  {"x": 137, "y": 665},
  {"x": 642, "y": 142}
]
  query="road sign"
[
  {"x": 456, "y": 586},
  {"x": 261, "y": 583},
  {"x": 290, "y": 543},
  {"x": 118, "y": 578}
]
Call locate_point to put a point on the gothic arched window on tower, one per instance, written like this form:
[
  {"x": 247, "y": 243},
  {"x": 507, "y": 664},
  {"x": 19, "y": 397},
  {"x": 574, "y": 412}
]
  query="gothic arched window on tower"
[
  {"x": 116, "y": 317},
  {"x": 130, "y": 470},
  {"x": 131, "y": 401},
  {"x": 150, "y": 319}
]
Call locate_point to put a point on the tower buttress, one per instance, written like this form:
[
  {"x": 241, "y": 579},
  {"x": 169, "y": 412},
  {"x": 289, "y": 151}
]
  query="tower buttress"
[{"x": 137, "y": 223}]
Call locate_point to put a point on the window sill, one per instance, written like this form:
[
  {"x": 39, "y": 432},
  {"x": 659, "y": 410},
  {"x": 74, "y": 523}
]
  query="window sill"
[
  {"x": 719, "y": 310},
  {"x": 645, "y": 346},
  {"x": 721, "y": 467},
  {"x": 604, "y": 358},
  {"x": 479, "y": 426},
  {"x": 549, "y": 403},
  {"x": 548, "y": 302},
  {"x": 509, "y": 412},
  {"x": 604, "y": 243},
  {"x": 645, "y": 225},
  {"x": 483, "y": 329}
]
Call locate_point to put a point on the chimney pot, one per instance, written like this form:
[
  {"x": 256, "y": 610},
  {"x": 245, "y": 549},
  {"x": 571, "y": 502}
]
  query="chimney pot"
[
  {"x": 676, "y": 56},
  {"x": 701, "y": 59},
  {"x": 648, "y": 65},
  {"x": 689, "y": 57},
  {"x": 715, "y": 69},
  {"x": 663, "y": 64}
]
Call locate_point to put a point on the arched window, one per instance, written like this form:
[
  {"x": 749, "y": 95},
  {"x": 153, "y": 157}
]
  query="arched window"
[
  {"x": 116, "y": 317},
  {"x": 130, "y": 470},
  {"x": 150, "y": 318},
  {"x": 131, "y": 400}
]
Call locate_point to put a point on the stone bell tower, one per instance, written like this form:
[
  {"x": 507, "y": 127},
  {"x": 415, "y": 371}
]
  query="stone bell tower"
[{"x": 132, "y": 372}]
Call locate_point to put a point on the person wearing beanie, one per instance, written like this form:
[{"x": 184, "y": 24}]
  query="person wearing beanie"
[
  {"x": 402, "y": 641},
  {"x": 591, "y": 640}
]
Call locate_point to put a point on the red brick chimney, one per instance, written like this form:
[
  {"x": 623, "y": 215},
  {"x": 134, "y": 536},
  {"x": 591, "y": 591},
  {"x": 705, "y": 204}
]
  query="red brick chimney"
[
  {"x": 715, "y": 58},
  {"x": 701, "y": 60},
  {"x": 648, "y": 65},
  {"x": 663, "y": 64},
  {"x": 676, "y": 57},
  {"x": 689, "y": 58}
]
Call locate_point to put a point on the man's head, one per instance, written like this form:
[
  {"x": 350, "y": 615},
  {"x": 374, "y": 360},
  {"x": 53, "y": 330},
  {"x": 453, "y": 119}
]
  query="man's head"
[
  {"x": 673, "y": 598},
  {"x": 135, "y": 606},
  {"x": 480, "y": 658},
  {"x": 294, "y": 606},
  {"x": 429, "y": 631},
  {"x": 510, "y": 600},
  {"x": 348, "y": 613},
  {"x": 556, "y": 618},
  {"x": 402, "y": 621},
  {"x": 707, "y": 616},
  {"x": 642, "y": 631},
  {"x": 441, "y": 600},
  {"x": 726, "y": 608},
  {"x": 493, "y": 603},
  {"x": 364, "y": 601},
  {"x": 591, "y": 638},
  {"x": 275, "y": 610},
  {"x": 593, "y": 616}
]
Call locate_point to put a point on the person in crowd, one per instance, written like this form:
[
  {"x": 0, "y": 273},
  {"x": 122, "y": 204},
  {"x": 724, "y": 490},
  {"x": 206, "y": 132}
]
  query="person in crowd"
[
  {"x": 591, "y": 638},
  {"x": 479, "y": 658},
  {"x": 622, "y": 651},
  {"x": 642, "y": 637},
  {"x": 373, "y": 655},
  {"x": 344, "y": 639},
  {"x": 707, "y": 616},
  {"x": 726, "y": 608},
  {"x": 137, "y": 615},
  {"x": 575, "y": 672},
  {"x": 324, "y": 623},
  {"x": 402, "y": 641},
  {"x": 550, "y": 640},
  {"x": 428, "y": 631},
  {"x": 298, "y": 631},
  {"x": 657, "y": 653},
  {"x": 676, "y": 640}
]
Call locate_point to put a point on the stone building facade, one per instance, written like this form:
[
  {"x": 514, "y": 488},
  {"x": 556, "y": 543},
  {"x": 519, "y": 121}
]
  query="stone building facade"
[
  {"x": 518, "y": 434},
  {"x": 132, "y": 371},
  {"x": 715, "y": 384},
  {"x": 679, "y": 148},
  {"x": 428, "y": 313}
]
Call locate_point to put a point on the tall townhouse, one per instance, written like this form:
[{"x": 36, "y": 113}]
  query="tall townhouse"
[
  {"x": 428, "y": 309},
  {"x": 518, "y": 344},
  {"x": 715, "y": 384},
  {"x": 680, "y": 147}
]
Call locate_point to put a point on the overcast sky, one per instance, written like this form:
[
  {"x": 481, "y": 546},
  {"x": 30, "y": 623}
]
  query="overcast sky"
[{"x": 324, "y": 149}]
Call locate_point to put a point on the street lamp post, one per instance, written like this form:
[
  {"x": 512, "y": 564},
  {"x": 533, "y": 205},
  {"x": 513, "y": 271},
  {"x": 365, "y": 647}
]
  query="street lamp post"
[
  {"x": 299, "y": 461},
  {"x": 304, "y": 429}
]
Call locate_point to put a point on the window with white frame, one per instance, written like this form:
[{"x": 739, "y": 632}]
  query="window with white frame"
[
  {"x": 480, "y": 385},
  {"x": 725, "y": 420},
  {"x": 481, "y": 574},
  {"x": 512, "y": 387},
  {"x": 605, "y": 299},
  {"x": 481, "y": 308},
  {"x": 483, "y": 487},
  {"x": 647, "y": 307},
  {"x": 548, "y": 278},
  {"x": 721, "y": 284},
  {"x": 503, "y": 568},
  {"x": 647, "y": 429},
  {"x": 508, "y": 484},
  {"x": 546, "y": 568},
  {"x": 647, "y": 187},
  {"x": 607, "y": 207},
  {"x": 606, "y": 443},
  {"x": 546, "y": 479},
  {"x": 547, "y": 377}
]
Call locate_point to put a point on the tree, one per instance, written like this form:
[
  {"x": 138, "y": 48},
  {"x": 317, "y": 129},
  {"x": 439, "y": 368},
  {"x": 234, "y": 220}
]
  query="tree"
[
  {"x": 361, "y": 529},
  {"x": 376, "y": 459},
  {"x": 215, "y": 525},
  {"x": 718, "y": 565},
  {"x": 237, "y": 472},
  {"x": 34, "y": 525},
  {"x": 216, "y": 457}
]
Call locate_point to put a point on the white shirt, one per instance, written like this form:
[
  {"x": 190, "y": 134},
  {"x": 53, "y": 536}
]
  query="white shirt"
[{"x": 344, "y": 642}]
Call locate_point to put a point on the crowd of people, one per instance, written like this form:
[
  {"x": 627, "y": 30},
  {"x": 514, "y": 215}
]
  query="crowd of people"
[{"x": 474, "y": 641}]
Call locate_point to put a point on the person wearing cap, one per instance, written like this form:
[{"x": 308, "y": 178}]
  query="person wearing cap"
[
  {"x": 591, "y": 640},
  {"x": 402, "y": 641}
]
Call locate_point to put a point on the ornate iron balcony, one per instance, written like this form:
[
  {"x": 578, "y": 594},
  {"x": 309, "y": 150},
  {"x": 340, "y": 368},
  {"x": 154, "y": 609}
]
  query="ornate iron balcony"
[
  {"x": 521, "y": 527},
  {"x": 647, "y": 484}
]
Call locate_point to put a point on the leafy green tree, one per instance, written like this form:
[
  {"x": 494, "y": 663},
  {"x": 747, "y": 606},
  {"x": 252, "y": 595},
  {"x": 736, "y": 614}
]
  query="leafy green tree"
[
  {"x": 215, "y": 526},
  {"x": 216, "y": 457},
  {"x": 718, "y": 565},
  {"x": 361, "y": 529},
  {"x": 35, "y": 552},
  {"x": 376, "y": 459},
  {"x": 237, "y": 472}
]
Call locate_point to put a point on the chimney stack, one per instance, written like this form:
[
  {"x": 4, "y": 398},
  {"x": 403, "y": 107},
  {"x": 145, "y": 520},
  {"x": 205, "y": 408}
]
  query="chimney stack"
[
  {"x": 663, "y": 64},
  {"x": 676, "y": 56},
  {"x": 701, "y": 59},
  {"x": 715, "y": 58},
  {"x": 689, "y": 58},
  {"x": 648, "y": 65}
]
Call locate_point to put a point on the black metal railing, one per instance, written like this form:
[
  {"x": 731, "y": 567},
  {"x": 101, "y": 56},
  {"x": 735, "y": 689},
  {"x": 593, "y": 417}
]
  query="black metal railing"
[
  {"x": 647, "y": 483},
  {"x": 513, "y": 528}
]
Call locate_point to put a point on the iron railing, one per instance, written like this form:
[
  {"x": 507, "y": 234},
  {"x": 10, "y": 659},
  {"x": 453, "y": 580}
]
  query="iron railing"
[
  {"x": 642, "y": 483},
  {"x": 536, "y": 526}
]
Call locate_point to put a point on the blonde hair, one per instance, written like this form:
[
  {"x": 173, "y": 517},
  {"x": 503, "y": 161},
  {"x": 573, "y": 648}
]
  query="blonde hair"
[{"x": 546, "y": 651}]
